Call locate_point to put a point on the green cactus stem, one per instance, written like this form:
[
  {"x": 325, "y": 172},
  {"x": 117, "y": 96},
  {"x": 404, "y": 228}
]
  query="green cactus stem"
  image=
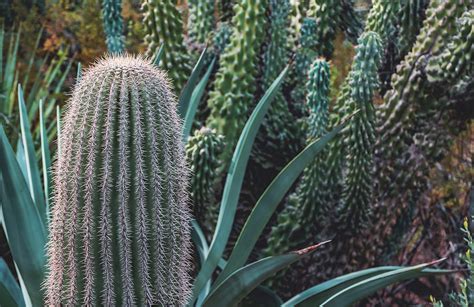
[
  {"x": 202, "y": 151},
  {"x": 113, "y": 25},
  {"x": 201, "y": 21},
  {"x": 232, "y": 97},
  {"x": 163, "y": 25},
  {"x": 119, "y": 232}
]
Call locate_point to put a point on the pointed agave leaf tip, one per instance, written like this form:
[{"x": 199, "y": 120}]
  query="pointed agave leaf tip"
[{"x": 310, "y": 249}]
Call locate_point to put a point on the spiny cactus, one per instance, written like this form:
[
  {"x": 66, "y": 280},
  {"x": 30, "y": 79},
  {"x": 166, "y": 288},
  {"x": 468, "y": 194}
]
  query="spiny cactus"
[
  {"x": 457, "y": 58},
  {"x": 363, "y": 80},
  {"x": 350, "y": 21},
  {"x": 113, "y": 25},
  {"x": 163, "y": 25},
  {"x": 279, "y": 130},
  {"x": 232, "y": 97},
  {"x": 326, "y": 13},
  {"x": 382, "y": 18},
  {"x": 297, "y": 222},
  {"x": 226, "y": 10},
  {"x": 202, "y": 151},
  {"x": 221, "y": 38},
  {"x": 410, "y": 23},
  {"x": 304, "y": 56},
  {"x": 201, "y": 19},
  {"x": 119, "y": 232}
]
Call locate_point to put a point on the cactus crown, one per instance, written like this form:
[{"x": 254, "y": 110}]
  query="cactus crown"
[{"x": 120, "y": 196}]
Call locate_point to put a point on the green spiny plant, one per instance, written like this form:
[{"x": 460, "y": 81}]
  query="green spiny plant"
[
  {"x": 296, "y": 223},
  {"x": 164, "y": 26},
  {"x": 350, "y": 22},
  {"x": 201, "y": 21},
  {"x": 360, "y": 139},
  {"x": 279, "y": 129},
  {"x": 226, "y": 10},
  {"x": 231, "y": 98},
  {"x": 327, "y": 15},
  {"x": 410, "y": 23},
  {"x": 305, "y": 54},
  {"x": 202, "y": 151},
  {"x": 113, "y": 25},
  {"x": 120, "y": 144}
]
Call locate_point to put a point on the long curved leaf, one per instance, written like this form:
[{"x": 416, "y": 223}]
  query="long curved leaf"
[
  {"x": 157, "y": 56},
  {"x": 197, "y": 236},
  {"x": 45, "y": 158},
  {"x": 185, "y": 96},
  {"x": 233, "y": 185},
  {"x": 22, "y": 223},
  {"x": 268, "y": 202},
  {"x": 243, "y": 281},
  {"x": 10, "y": 292},
  {"x": 364, "y": 288},
  {"x": 34, "y": 179},
  {"x": 318, "y": 294},
  {"x": 198, "y": 92}
]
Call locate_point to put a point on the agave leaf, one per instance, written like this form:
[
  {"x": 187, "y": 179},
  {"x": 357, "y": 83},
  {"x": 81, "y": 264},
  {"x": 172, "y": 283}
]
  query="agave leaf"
[
  {"x": 366, "y": 287},
  {"x": 194, "y": 102},
  {"x": 197, "y": 236},
  {"x": 157, "y": 57},
  {"x": 22, "y": 223},
  {"x": 316, "y": 295},
  {"x": 79, "y": 72},
  {"x": 185, "y": 96},
  {"x": 233, "y": 185},
  {"x": 244, "y": 280},
  {"x": 10, "y": 292},
  {"x": 45, "y": 157},
  {"x": 268, "y": 202},
  {"x": 34, "y": 179}
]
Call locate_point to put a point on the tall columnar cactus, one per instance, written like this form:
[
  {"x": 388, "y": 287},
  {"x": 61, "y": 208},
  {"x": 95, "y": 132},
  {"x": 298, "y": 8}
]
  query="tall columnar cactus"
[
  {"x": 327, "y": 14},
  {"x": 113, "y": 25},
  {"x": 350, "y": 22},
  {"x": 119, "y": 232},
  {"x": 382, "y": 18},
  {"x": 410, "y": 21},
  {"x": 279, "y": 130},
  {"x": 201, "y": 19},
  {"x": 202, "y": 151},
  {"x": 297, "y": 223},
  {"x": 457, "y": 58},
  {"x": 163, "y": 25},
  {"x": 363, "y": 81},
  {"x": 305, "y": 54},
  {"x": 232, "y": 96},
  {"x": 411, "y": 96}
]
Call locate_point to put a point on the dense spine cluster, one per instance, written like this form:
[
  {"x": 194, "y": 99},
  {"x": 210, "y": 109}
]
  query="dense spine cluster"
[
  {"x": 232, "y": 96},
  {"x": 119, "y": 231},
  {"x": 113, "y": 25},
  {"x": 297, "y": 223},
  {"x": 202, "y": 152},
  {"x": 201, "y": 21},
  {"x": 163, "y": 25},
  {"x": 363, "y": 81}
]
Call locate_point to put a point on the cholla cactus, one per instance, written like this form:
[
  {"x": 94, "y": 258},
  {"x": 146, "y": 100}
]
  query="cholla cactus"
[
  {"x": 113, "y": 25},
  {"x": 163, "y": 25},
  {"x": 363, "y": 81},
  {"x": 410, "y": 23},
  {"x": 296, "y": 225},
  {"x": 119, "y": 232},
  {"x": 202, "y": 151},
  {"x": 232, "y": 97},
  {"x": 382, "y": 18},
  {"x": 327, "y": 15},
  {"x": 201, "y": 19}
]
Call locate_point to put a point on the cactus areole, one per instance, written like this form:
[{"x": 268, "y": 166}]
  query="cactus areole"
[{"x": 119, "y": 231}]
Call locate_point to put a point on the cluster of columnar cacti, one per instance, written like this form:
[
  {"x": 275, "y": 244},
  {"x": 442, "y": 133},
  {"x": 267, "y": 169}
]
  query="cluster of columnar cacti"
[
  {"x": 113, "y": 25},
  {"x": 202, "y": 151},
  {"x": 119, "y": 232},
  {"x": 164, "y": 26},
  {"x": 201, "y": 21},
  {"x": 232, "y": 96},
  {"x": 297, "y": 223}
]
